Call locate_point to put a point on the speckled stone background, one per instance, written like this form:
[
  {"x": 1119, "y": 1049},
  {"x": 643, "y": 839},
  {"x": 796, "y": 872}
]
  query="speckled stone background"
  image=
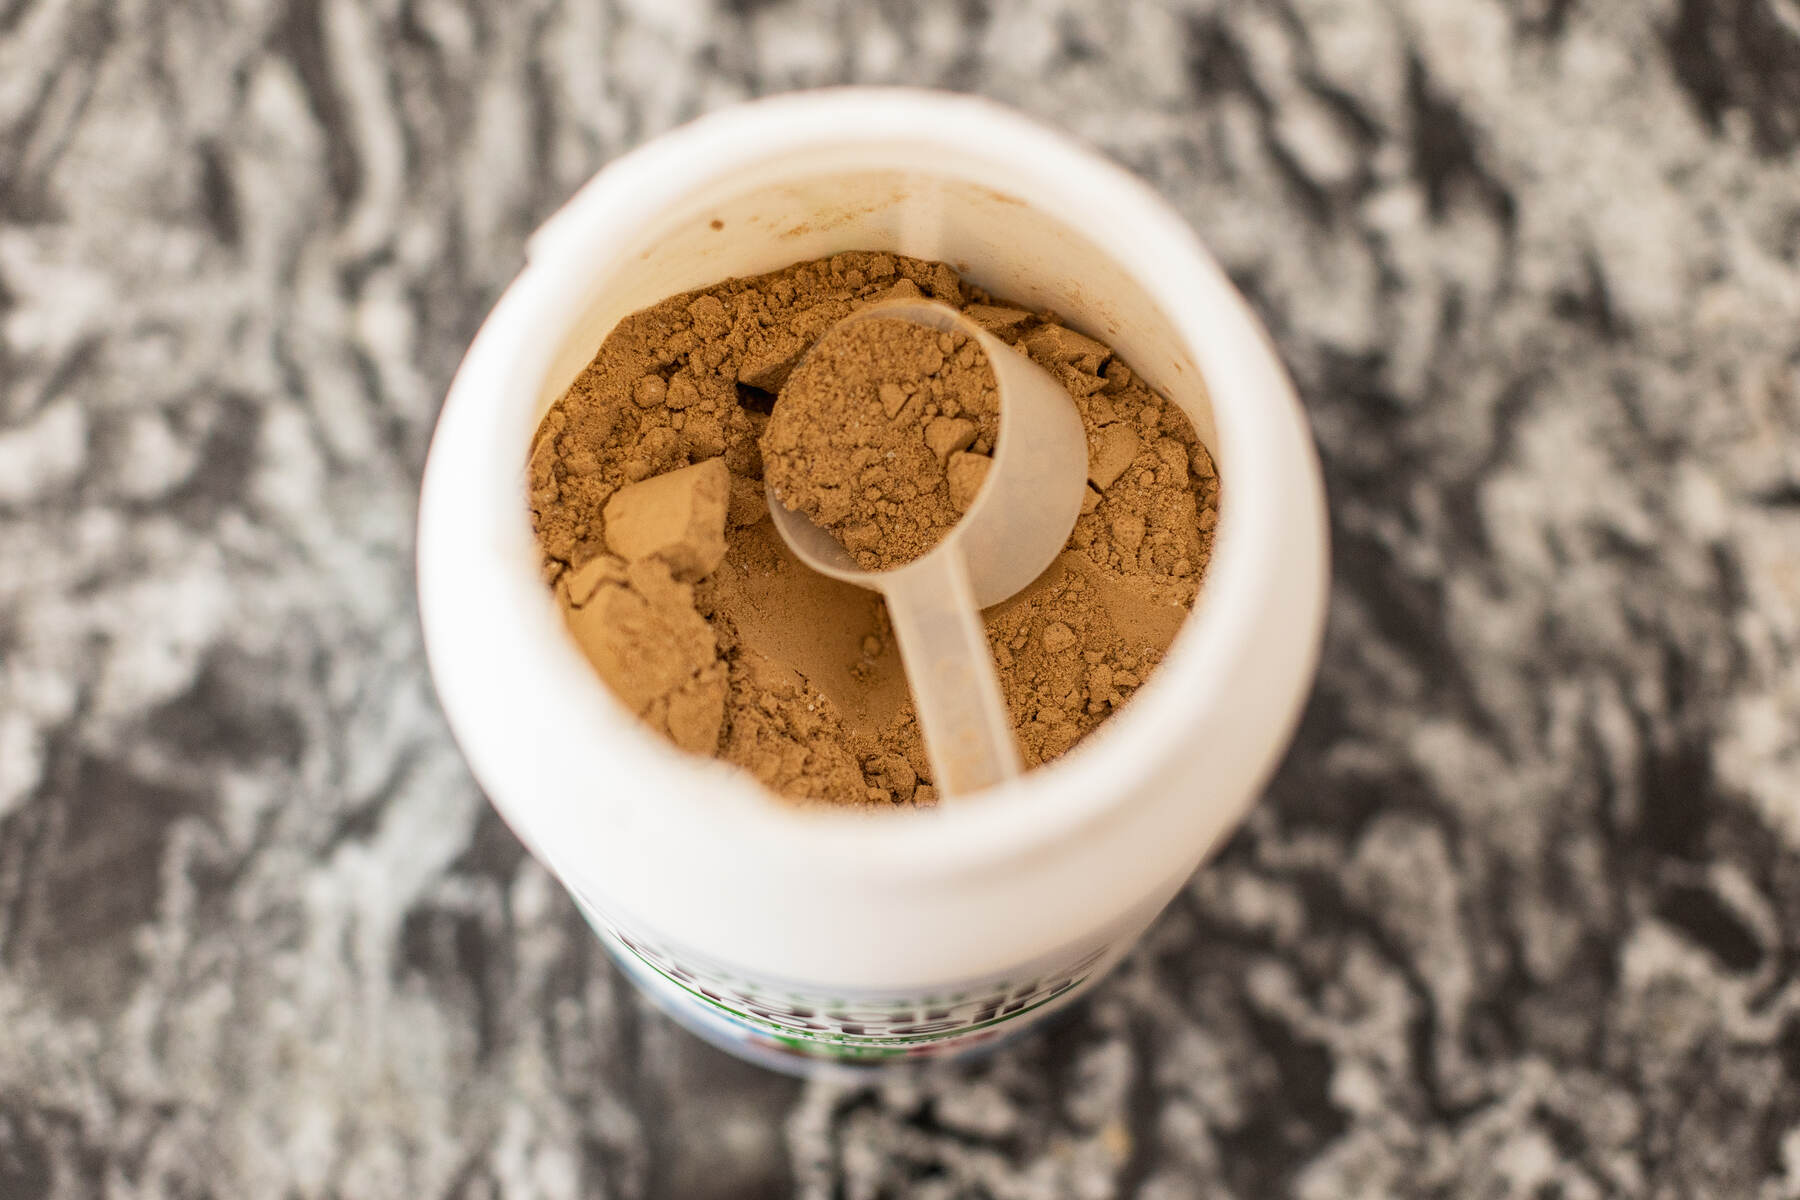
[{"x": 1521, "y": 915}]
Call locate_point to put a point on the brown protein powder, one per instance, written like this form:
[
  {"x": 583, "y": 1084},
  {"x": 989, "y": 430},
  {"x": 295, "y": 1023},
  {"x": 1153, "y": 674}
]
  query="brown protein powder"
[
  {"x": 882, "y": 435},
  {"x": 647, "y": 496}
]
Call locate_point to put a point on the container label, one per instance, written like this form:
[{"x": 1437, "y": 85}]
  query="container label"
[{"x": 795, "y": 1020}]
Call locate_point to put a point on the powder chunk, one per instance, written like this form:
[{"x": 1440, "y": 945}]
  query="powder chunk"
[
  {"x": 1065, "y": 345},
  {"x": 708, "y": 313},
  {"x": 896, "y": 775},
  {"x": 995, "y": 318},
  {"x": 678, "y": 517},
  {"x": 966, "y": 473},
  {"x": 643, "y": 635},
  {"x": 905, "y": 289},
  {"x": 638, "y": 626},
  {"x": 947, "y": 435},
  {"x": 854, "y": 443},
  {"x": 1173, "y": 456},
  {"x": 1113, "y": 449},
  {"x": 650, "y": 391},
  {"x": 579, "y": 586},
  {"x": 1128, "y": 531}
]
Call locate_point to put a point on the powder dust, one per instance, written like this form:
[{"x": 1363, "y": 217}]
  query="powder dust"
[
  {"x": 882, "y": 436},
  {"x": 646, "y": 482}
]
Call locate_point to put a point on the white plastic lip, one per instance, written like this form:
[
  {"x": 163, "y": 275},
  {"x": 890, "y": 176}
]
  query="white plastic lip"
[{"x": 1273, "y": 499}]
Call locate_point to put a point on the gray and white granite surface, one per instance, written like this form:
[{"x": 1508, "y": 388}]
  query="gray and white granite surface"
[{"x": 1521, "y": 915}]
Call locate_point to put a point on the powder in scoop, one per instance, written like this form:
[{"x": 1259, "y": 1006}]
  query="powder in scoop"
[
  {"x": 750, "y": 657},
  {"x": 882, "y": 435}
]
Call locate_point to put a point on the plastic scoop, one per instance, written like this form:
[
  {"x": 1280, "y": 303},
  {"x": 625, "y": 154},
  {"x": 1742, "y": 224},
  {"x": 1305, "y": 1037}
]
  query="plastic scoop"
[{"x": 1018, "y": 523}]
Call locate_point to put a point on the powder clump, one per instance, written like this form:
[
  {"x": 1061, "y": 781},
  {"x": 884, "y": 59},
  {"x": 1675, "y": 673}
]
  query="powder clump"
[
  {"x": 637, "y": 624},
  {"x": 677, "y": 518},
  {"x": 881, "y": 436}
]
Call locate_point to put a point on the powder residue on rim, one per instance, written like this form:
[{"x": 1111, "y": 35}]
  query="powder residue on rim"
[{"x": 882, "y": 436}]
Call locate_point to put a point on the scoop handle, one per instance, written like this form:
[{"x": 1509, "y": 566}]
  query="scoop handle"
[{"x": 950, "y": 669}]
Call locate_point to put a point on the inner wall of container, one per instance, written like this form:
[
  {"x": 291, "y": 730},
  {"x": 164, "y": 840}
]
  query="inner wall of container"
[{"x": 997, "y": 241}]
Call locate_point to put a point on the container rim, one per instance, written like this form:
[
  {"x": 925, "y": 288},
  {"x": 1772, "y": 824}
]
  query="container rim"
[{"x": 1272, "y": 504}]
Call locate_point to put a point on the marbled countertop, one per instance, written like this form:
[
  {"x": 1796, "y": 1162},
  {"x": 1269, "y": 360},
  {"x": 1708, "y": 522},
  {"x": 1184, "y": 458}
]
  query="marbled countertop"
[{"x": 1521, "y": 915}]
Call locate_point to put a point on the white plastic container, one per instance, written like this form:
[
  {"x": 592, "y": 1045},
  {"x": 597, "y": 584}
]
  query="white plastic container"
[{"x": 804, "y": 939}]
